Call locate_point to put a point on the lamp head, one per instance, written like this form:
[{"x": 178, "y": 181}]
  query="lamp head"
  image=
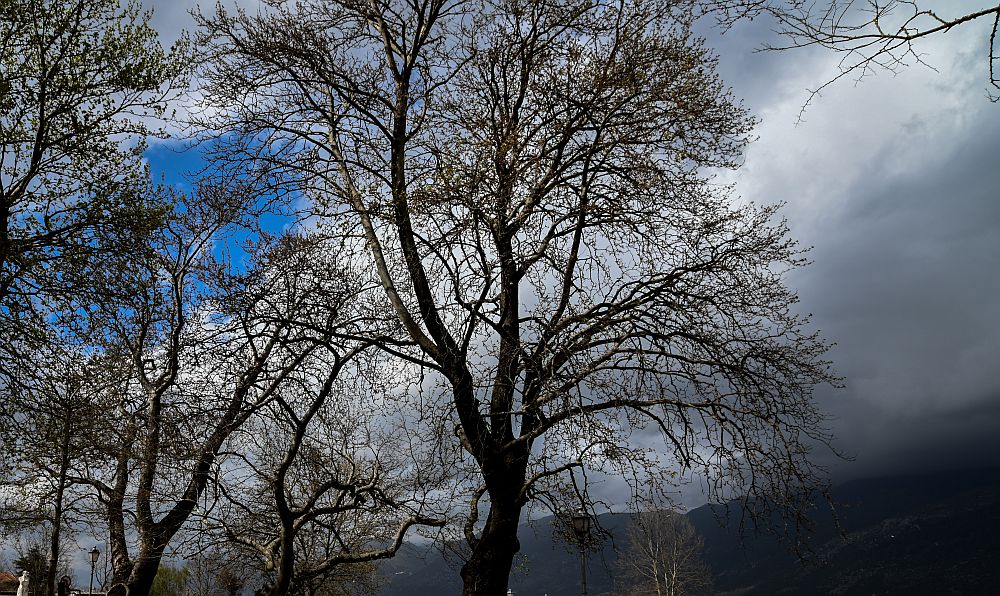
[{"x": 581, "y": 524}]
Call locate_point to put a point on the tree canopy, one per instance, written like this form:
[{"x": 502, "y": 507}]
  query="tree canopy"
[
  {"x": 528, "y": 182},
  {"x": 80, "y": 84}
]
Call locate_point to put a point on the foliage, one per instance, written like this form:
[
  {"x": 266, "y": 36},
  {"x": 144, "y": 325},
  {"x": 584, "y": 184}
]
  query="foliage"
[
  {"x": 514, "y": 240},
  {"x": 36, "y": 563},
  {"x": 170, "y": 581},
  {"x": 53, "y": 437},
  {"x": 79, "y": 84}
]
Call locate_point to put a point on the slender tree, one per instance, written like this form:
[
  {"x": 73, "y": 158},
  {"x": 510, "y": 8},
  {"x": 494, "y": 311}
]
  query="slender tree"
[
  {"x": 662, "y": 557},
  {"x": 320, "y": 482}
]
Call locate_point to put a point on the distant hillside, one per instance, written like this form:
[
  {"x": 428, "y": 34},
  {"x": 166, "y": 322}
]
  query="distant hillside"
[
  {"x": 911, "y": 536},
  {"x": 915, "y": 536}
]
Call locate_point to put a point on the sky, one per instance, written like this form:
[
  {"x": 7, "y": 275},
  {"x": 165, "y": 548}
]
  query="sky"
[{"x": 894, "y": 183}]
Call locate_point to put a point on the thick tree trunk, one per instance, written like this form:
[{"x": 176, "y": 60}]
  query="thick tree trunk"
[
  {"x": 140, "y": 582},
  {"x": 121, "y": 563},
  {"x": 153, "y": 541},
  {"x": 487, "y": 571}
]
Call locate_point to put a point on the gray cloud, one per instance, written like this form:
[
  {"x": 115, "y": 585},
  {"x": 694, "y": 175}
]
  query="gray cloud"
[
  {"x": 171, "y": 18},
  {"x": 894, "y": 184}
]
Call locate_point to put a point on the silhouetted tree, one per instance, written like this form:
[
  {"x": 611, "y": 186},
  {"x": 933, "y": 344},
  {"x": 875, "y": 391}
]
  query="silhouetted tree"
[
  {"x": 52, "y": 438},
  {"x": 529, "y": 184},
  {"x": 321, "y": 482},
  {"x": 196, "y": 356}
]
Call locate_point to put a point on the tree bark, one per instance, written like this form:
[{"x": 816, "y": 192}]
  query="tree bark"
[
  {"x": 286, "y": 563},
  {"x": 121, "y": 563},
  {"x": 140, "y": 582},
  {"x": 488, "y": 569}
]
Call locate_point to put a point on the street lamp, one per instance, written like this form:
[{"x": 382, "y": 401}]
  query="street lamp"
[
  {"x": 581, "y": 527},
  {"x": 94, "y": 554}
]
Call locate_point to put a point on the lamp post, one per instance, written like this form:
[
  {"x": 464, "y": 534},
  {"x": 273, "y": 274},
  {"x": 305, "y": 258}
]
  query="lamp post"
[
  {"x": 581, "y": 527},
  {"x": 94, "y": 554}
]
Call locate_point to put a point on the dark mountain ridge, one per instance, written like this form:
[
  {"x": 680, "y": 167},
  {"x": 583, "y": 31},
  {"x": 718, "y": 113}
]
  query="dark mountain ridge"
[{"x": 912, "y": 535}]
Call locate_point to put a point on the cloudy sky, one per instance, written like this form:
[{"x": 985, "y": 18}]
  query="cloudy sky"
[{"x": 895, "y": 183}]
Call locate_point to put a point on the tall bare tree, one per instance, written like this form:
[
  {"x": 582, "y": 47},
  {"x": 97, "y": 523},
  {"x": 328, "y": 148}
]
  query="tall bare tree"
[
  {"x": 321, "y": 482},
  {"x": 531, "y": 183}
]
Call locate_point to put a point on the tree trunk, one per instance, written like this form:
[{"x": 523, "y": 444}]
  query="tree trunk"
[
  {"x": 121, "y": 563},
  {"x": 286, "y": 563},
  {"x": 140, "y": 582},
  {"x": 50, "y": 575},
  {"x": 488, "y": 569}
]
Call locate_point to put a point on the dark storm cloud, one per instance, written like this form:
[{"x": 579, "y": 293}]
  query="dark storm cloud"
[
  {"x": 905, "y": 279},
  {"x": 895, "y": 185}
]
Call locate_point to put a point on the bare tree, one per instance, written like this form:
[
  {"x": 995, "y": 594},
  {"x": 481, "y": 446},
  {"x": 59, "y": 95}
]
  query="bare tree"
[
  {"x": 196, "y": 354},
  {"x": 529, "y": 180},
  {"x": 663, "y": 557},
  {"x": 319, "y": 483},
  {"x": 332, "y": 501},
  {"x": 186, "y": 352},
  {"x": 206, "y": 570}
]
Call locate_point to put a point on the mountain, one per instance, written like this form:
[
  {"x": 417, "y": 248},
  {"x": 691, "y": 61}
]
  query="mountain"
[
  {"x": 545, "y": 565},
  {"x": 916, "y": 535}
]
